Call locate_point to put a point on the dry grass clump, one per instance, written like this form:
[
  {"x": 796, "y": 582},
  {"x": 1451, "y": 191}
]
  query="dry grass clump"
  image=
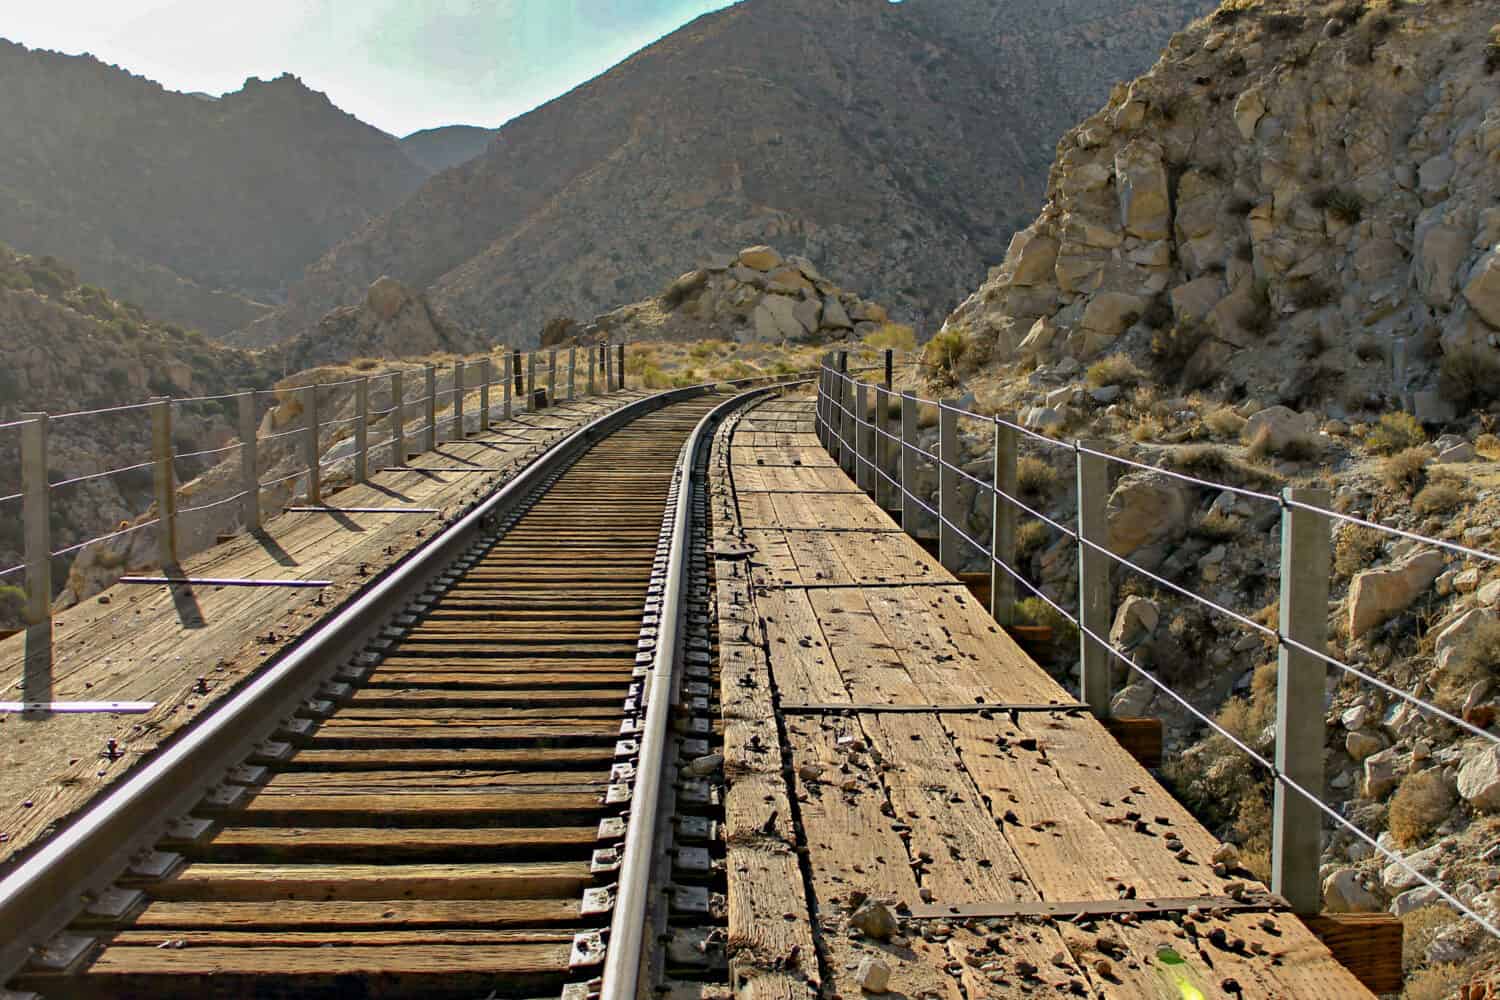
[
  {"x": 1469, "y": 378},
  {"x": 1406, "y": 470},
  {"x": 1436, "y": 983},
  {"x": 1148, "y": 427},
  {"x": 1224, "y": 423},
  {"x": 1488, "y": 445},
  {"x": 1294, "y": 449},
  {"x": 1439, "y": 496},
  {"x": 1216, "y": 526},
  {"x": 894, "y": 337},
  {"x": 1355, "y": 548},
  {"x": 1031, "y": 537},
  {"x": 1418, "y": 929},
  {"x": 1420, "y": 803},
  {"x": 1117, "y": 369},
  {"x": 945, "y": 351},
  {"x": 1395, "y": 432},
  {"x": 1035, "y": 477},
  {"x": 1480, "y": 660}
]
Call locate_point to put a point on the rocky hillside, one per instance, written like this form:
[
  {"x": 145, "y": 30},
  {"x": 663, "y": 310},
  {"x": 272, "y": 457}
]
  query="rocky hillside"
[
  {"x": 866, "y": 155},
  {"x": 70, "y": 346},
  {"x": 437, "y": 149},
  {"x": 1275, "y": 259},
  {"x": 198, "y": 209}
]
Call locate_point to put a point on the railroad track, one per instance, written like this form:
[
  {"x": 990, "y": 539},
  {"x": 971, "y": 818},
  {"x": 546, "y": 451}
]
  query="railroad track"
[{"x": 462, "y": 810}]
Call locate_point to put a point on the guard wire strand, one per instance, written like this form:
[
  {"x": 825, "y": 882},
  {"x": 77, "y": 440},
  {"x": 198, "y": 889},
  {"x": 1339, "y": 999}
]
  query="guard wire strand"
[
  {"x": 1435, "y": 542},
  {"x": 99, "y": 475},
  {"x": 16, "y": 423},
  {"x": 209, "y": 451},
  {"x": 7, "y": 572},
  {"x": 1253, "y": 494},
  {"x": 12, "y": 496},
  {"x": 104, "y": 538},
  {"x": 215, "y": 503}
]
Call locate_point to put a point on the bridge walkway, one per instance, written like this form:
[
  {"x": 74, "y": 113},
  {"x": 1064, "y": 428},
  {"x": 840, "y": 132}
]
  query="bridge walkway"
[{"x": 1017, "y": 847}]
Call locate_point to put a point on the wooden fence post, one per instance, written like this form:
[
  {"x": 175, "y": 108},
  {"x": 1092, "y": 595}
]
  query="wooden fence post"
[
  {"x": 310, "y": 445},
  {"x": 950, "y": 545},
  {"x": 1093, "y": 580},
  {"x": 429, "y": 433},
  {"x": 249, "y": 462},
  {"x": 398, "y": 421},
  {"x": 1003, "y": 527},
  {"x": 362, "y": 431},
  {"x": 1296, "y": 823},
  {"x": 36, "y": 522},
  {"x": 162, "y": 450}
]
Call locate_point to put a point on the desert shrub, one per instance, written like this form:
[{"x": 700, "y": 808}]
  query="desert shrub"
[
  {"x": 1406, "y": 470},
  {"x": 1395, "y": 432},
  {"x": 945, "y": 350},
  {"x": 364, "y": 364},
  {"x": 1350, "y": 13},
  {"x": 1436, "y": 983},
  {"x": 1418, "y": 928},
  {"x": 1492, "y": 57},
  {"x": 1488, "y": 445},
  {"x": 1344, "y": 204},
  {"x": 1311, "y": 293},
  {"x": 1224, "y": 423},
  {"x": 1212, "y": 462},
  {"x": 1216, "y": 526},
  {"x": 1421, "y": 802},
  {"x": 1481, "y": 660},
  {"x": 893, "y": 337},
  {"x": 1294, "y": 449},
  {"x": 1469, "y": 378},
  {"x": 1035, "y": 611},
  {"x": 1117, "y": 369},
  {"x": 1031, "y": 537},
  {"x": 1158, "y": 314},
  {"x": 1035, "y": 477},
  {"x": 12, "y": 606},
  {"x": 1355, "y": 548},
  {"x": 1171, "y": 348},
  {"x": 1148, "y": 427},
  {"x": 706, "y": 350},
  {"x": 1439, "y": 497}
]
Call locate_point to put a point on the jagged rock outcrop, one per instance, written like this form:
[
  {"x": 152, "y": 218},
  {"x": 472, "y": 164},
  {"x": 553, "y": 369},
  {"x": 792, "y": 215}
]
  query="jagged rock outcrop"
[
  {"x": 866, "y": 155},
  {"x": 1290, "y": 182},
  {"x": 756, "y": 296},
  {"x": 200, "y": 210},
  {"x": 392, "y": 322}
]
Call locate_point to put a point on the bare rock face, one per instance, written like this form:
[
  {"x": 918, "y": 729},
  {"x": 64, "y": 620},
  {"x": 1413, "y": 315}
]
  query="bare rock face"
[
  {"x": 387, "y": 297},
  {"x": 1146, "y": 507},
  {"x": 1377, "y": 594},
  {"x": 393, "y": 322},
  {"x": 1479, "y": 780}
]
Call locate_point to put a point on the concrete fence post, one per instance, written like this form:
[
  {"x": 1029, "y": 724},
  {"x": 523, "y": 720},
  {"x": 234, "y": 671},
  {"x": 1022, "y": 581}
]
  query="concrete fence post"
[
  {"x": 620, "y": 363},
  {"x": 609, "y": 367},
  {"x": 36, "y": 523},
  {"x": 592, "y": 384},
  {"x": 1297, "y": 824},
  {"x": 362, "y": 431},
  {"x": 552, "y": 377},
  {"x": 429, "y": 433},
  {"x": 864, "y": 440},
  {"x": 911, "y": 514},
  {"x": 249, "y": 462},
  {"x": 890, "y": 368},
  {"x": 881, "y": 419},
  {"x": 310, "y": 445},
  {"x": 1093, "y": 580},
  {"x": 1003, "y": 527},
  {"x": 825, "y": 396},
  {"x": 456, "y": 432},
  {"x": 572, "y": 374},
  {"x": 398, "y": 421},
  {"x": 531, "y": 380},
  {"x": 516, "y": 372},
  {"x": 847, "y": 455},
  {"x": 166, "y": 480},
  {"x": 484, "y": 393},
  {"x": 509, "y": 378},
  {"x": 950, "y": 545}
]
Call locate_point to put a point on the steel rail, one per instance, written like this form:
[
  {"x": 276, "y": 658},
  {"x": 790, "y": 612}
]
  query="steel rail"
[
  {"x": 42, "y": 894},
  {"x": 627, "y": 935}
]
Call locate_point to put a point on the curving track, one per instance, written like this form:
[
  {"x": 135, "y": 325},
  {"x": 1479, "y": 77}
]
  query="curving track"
[{"x": 450, "y": 826}]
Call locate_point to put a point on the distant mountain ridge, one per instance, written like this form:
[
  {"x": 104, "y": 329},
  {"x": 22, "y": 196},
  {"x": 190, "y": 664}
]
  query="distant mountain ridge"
[
  {"x": 897, "y": 146},
  {"x": 437, "y": 149},
  {"x": 201, "y": 210}
]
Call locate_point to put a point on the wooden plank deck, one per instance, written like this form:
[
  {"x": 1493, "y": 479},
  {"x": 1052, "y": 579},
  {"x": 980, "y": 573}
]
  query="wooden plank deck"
[
  {"x": 833, "y": 606},
  {"x": 151, "y": 643}
]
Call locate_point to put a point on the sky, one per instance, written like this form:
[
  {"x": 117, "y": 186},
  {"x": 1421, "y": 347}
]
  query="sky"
[{"x": 400, "y": 65}]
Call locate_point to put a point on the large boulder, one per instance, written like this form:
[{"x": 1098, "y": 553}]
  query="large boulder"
[
  {"x": 834, "y": 315},
  {"x": 387, "y": 297},
  {"x": 1031, "y": 258},
  {"x": 761, "y": 258},
  {"x": 1483, "y": 287},
  {"x": 1378, "y": 594},
  {"x": 1141, "y": 181},
  {"x": 1479, "y": 780},
  {"x": 1455, "y": 643},
  {"x": 1434, "y": 265},
  {"x": 1197, "y": 298},
  {"x": 1145, "y": 508},
  {"x": 1109, "y": 313},
  {"x": 1282, "y": 427},
  {"x": 1344, "y": 892}
]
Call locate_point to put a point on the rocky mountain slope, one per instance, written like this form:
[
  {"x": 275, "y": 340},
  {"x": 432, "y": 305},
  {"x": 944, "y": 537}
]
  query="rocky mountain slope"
[
  {"x": 69, "y": 347},
  {"x": 1275, "y": 260},
  {"x": 437, "y": 149},
  {"x": 866, "y": 156},
  {"x": 201, "y": 210}
]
